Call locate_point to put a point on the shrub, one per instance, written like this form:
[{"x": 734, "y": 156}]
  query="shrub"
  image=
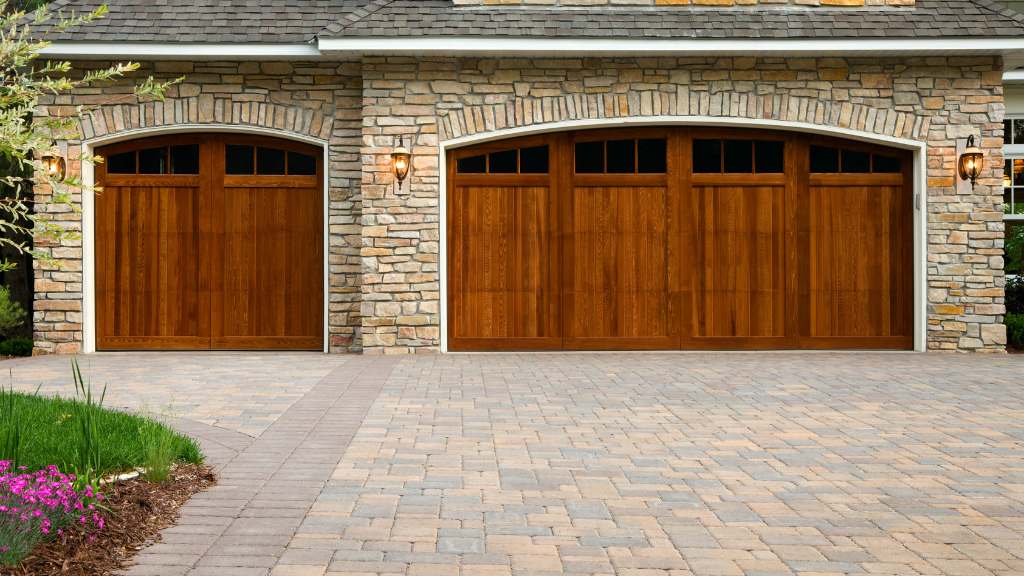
[
  {"x": 1015, "y": 331},
  {"x": 41, "y": 505},
  {"x": 12, "y": 315},
  {"x": 1015, "y": 295},
  {"x": 16, "y": 347}
]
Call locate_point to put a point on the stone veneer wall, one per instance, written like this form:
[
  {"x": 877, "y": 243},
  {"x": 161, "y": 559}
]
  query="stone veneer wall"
[
  {"x": 317, "y": 99},
  {"x": 384, "y": 247},
  {"x": 428, "y": 100}
]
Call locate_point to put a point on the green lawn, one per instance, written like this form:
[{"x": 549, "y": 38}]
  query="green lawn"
[{"x": 50, "y": 432}]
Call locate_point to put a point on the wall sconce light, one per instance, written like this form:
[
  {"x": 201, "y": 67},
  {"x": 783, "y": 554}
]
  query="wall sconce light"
[
  {"x": 54, "y": 164},
  {"x": 971, "y": 162},
  {"x": 400, "y": 162}
]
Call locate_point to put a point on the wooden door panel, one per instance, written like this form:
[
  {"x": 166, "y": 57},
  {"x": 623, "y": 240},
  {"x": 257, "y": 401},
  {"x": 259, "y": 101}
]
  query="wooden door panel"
[
  {"x": 740, "y": 272},
  {"x": 858, "y": 273},
  {"x": 502, "y": 268},
  {"x": 148, "y": 289},
  {"x": 270, "y": 269},
  {"x": 618, "y": 293}
]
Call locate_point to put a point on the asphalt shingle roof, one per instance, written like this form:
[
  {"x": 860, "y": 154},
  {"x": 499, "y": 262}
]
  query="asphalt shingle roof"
[
  {"x": 291, "y": 21},
  {"x": 228, "y": 21},
  {"x": 926, "y": 19}
]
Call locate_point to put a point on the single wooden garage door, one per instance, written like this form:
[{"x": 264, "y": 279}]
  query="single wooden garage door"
[
  {"x": 209, "y": 242},
  {"x": 679, "y": 238}
]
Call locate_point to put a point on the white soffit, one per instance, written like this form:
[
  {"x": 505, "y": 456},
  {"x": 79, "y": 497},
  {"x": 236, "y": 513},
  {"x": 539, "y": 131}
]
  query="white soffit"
[{"x": 695, "y": 46}]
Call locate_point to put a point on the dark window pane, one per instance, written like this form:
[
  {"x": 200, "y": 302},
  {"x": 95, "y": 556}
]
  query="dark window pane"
[
  {"x": 621, "y": 156},
  {"x": 769, "y": 156},
  {"x": 503, "y": 162},
  {"x": 472, "y": 164},
  {"x": 887, "y": 164},
  {"x": 707, "y": 156},
  {"x": 824, "y": 160},
  {"x": 1008, "y": 173},
  {"x": 239, "y": 160},
  {"x": 1007, "y": 132},
  {"x": 856, "y": 162},
  {"x": 269, "y": 161},
  {"x": 123, "y": 163},
  {"x": 650, "y": 156},
  {"x": 1018, "y": 131},
  {"x": 1018, "y": 171},
  {"x": 185, "y": 159},
  {"x": 739, "y": 156},
  {"x": 301, "y": 164},
  {"x": 153, "y": 161},
  {"x": 1008, "y": 200},
  {"x": 533, "y": 160},
  {"x": 589, "y": 157}
]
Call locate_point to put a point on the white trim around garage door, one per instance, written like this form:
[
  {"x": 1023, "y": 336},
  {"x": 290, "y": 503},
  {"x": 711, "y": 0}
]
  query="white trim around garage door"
[
  {"x": 920, "y": 150},
  {"x": 88, "y": 212}
]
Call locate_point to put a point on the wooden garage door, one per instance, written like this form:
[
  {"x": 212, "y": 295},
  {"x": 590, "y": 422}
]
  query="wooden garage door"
[
  {"x": 678, "y": 238},
  {"x": 209, "y": 242}
]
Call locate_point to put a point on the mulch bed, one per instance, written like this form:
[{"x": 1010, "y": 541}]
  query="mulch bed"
[{"x": 137, "y": 511}]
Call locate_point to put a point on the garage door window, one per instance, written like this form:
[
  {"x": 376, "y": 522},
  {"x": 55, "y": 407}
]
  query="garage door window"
[
  {"x": 530, "y": 160},
  {"x": 831, "y": 160},
  {"x": 184, "y": 159},
  {"x": 623, "y": 156},
  {"x": 240, "y": 160},
  {"x": 715, "y": 156}
]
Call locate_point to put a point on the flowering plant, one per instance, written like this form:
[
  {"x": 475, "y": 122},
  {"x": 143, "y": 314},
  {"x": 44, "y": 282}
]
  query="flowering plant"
[{"x": 41, "y": 505}]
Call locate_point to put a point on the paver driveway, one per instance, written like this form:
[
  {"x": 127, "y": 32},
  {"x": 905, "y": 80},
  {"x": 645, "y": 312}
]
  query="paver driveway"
[{"x": 750, "y": 463}]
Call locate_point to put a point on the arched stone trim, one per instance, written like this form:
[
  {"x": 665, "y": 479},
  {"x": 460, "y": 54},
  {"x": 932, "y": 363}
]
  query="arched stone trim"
[
  {"x": 205, "y": 109},
  {"x": 522, "y": 112}
]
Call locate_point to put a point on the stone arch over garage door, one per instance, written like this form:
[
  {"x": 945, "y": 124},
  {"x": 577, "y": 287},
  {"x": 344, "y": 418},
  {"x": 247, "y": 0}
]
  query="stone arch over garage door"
[
  {"x": 205, "y": 111},
  {"x": 526, "y": 112}
]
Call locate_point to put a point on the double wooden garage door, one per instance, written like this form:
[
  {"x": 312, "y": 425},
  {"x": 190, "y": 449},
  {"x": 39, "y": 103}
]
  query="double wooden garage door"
[
  {"x": 209, "y": 242},
  {"x": 679, "y": 238}
]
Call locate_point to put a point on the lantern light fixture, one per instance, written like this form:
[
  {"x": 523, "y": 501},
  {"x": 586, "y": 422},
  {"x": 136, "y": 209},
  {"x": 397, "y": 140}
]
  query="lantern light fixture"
[
  {"x": 54, "y": 164},
  {"x": 971, "y": 162},
  {"x": 400, "y": 162}
]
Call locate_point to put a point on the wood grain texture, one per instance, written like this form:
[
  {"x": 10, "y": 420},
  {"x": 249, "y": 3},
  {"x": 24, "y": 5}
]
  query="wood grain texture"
[
  {"x": 680, "y": 260},
  {"x": 856, "y": 276},
  {"x": 741, "y": 263},
  {"x": 184, "y": 262},
  {"x": 619, "y": 271},
  {"x": 502, "y": 274}
]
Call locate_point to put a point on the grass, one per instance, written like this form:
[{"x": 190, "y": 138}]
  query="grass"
[{"x": 50, "y": 430}]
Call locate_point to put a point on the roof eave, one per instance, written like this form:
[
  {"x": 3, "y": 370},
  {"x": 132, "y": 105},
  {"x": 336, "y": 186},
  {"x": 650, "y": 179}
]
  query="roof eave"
[
  {"x": 178, "y": 51},
  {"x": 491, "y": 46},
  {"x": 437, "y": 46}
]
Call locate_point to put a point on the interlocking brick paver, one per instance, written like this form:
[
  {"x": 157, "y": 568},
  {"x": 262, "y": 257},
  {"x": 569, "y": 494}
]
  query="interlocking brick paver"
[
  {"x": 667, "y": 464},
  {"x": 630, "y": 464}
]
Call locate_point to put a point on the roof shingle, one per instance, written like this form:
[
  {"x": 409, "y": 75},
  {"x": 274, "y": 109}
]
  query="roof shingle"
[{"x": 295, "y": 21}]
